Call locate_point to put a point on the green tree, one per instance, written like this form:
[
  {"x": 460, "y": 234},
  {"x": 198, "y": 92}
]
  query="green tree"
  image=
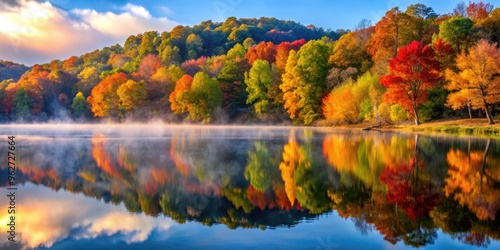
[
  {"x": 249, "y": 42},
  {"x": 79, "y": 104},
  {"x": 150, "y": 40},
  {"x": 490, "y": 27},
  {"x": 311, "y": 181},
  {"x": 204, "y": 96},
  {"x": 239, "y": 35},
  {"x": 398, "y": 113},
  {"x": 258, "y": 170},
  {"x": 421, "y": 11},
  {"x": 369, "y": 91},
  {"x": 304, "y": 81},
  {"x": 132, "y": 94},
  {"x": 232, "y": 80},
  {"x": 375, "y": 92},
  {"x": 171, "y": 55},
  {"x": 131, "y": 44},
  {"x": 193, "y": 46},
  {"x": 22, "y": 104},
  {"x": 259, "y": 80},
  {"x": 457, "y": 31}
]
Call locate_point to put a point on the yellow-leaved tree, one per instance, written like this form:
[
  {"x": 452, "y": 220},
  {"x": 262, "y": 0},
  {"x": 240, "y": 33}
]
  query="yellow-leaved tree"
[
  {"x": 477, "y": 82},
  {"x": 132, "y": 94}
]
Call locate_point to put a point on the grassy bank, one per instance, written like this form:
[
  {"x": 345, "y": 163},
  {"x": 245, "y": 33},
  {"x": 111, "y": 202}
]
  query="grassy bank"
[{"x": 458, "y": 127}]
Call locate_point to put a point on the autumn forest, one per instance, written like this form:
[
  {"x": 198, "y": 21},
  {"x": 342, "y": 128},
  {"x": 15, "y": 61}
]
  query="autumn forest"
[{"x": 412, "y": 64}]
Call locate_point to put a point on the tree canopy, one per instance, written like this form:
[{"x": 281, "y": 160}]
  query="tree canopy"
[{"x": 270, "y": 70}]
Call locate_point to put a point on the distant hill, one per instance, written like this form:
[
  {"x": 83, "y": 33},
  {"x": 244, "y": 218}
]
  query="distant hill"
[
  {"x": 11, "y": 70},
  {"x": 47, "y": 90},
  {"x": 205, "y": 40}
]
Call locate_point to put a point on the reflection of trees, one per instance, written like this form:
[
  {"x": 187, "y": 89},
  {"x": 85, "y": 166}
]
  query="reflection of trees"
[
  {"x": 462, "y": 224},
  {"x": 291, "y": 158},
  {"x": 259, "y": 168},
  {"x": 474, "y": 181},
  {"x": 188, "y": 180},
  {"x": 311, "y": 182},
  {"x": 181, "y": 165},
  {"x": 364, "y": 157},
  {"x": 373, "y": 210},
  {"x": 305, "y": 176},
  {"x": 416, "y": 197},
  {"x": 380, "y": 181},
  {"x": 406, "y": 189},
  {"x": 102, "y": 158}
]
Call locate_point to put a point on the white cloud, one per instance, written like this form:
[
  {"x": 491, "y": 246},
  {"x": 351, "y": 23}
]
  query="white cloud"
[
  {"x": 51, "y": 216},
  {"x": 35, "y": 32},
  {"x": 166, "y": 10}
]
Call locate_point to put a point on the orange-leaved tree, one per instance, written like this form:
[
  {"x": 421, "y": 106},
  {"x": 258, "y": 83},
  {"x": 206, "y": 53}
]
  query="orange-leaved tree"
[
  {"x": 103, "y": 99},
  {"x": 177, "y": 102},
  {"x": 283, "y": 50},
  {"x": 478, "y": 78},
  {"x": 413, "y": 71}
]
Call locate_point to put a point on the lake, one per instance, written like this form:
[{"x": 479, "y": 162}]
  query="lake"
[{"x": 158, "y": 186}]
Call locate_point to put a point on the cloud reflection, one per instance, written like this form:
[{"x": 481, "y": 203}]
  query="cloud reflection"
[{"x": 45, "y": 217}]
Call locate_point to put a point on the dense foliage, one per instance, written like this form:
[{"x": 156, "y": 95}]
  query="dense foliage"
[{"x": 269, "y": 70}]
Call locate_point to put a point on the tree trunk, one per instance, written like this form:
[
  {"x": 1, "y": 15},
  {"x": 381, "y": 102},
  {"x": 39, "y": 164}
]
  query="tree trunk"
[
  {"x": 415, "y": 163},
  {"x": 377, "y": 115},
  {"x": 469, "y": 106},
  {"x": 483, "y": 165},
  {"x": 468, "y": 150},
  {"x": 417, "y": 122},
  {"x": 490, "y": 118}
]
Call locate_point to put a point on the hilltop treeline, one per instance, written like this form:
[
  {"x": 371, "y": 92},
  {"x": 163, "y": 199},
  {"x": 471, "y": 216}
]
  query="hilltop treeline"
[
  {"x": 11, "y": 70},
  {"x": 251, "y": 70}
]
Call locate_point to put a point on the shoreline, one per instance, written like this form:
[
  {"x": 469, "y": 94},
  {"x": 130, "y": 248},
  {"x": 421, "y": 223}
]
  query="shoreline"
[{"x": 470, "y": 127}]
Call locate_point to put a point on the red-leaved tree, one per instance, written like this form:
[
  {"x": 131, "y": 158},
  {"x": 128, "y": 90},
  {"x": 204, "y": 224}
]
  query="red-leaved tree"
[
  {"x": 413, "y": 71},
  {"x": 415, "y": 199},
  {"x": 263, "y": 50}
]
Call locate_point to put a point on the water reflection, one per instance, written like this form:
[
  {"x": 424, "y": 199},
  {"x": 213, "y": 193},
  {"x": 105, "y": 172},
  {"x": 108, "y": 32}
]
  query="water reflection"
[
  {"x": 474, "y": 181},
  {"x": 52, "y": 218},
  {"x": 405, "y": 187}
]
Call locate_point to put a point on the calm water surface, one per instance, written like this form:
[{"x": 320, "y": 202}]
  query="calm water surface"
[{"x": 184, "y": 187}]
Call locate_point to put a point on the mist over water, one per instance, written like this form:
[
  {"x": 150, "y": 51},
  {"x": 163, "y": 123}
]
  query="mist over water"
[{"x": 156, "y": 177}]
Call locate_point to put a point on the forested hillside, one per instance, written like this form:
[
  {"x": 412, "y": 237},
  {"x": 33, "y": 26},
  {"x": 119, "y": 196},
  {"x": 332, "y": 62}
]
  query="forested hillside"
[
  {"x": 412, "y": 64},
  {"x": 11, "y": 70}
]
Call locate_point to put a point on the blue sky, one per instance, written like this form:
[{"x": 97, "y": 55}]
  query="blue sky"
[
  {"x": 333, "y": 14},
  {"x": 38, "y": 31}
]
